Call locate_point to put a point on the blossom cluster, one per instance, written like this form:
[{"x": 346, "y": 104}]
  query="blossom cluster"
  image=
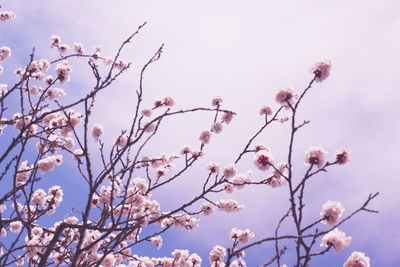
[
  {"x": 120, "y": 204},
  {"x": 336, "y": 239},
  {"x": 331, "y": 211}
]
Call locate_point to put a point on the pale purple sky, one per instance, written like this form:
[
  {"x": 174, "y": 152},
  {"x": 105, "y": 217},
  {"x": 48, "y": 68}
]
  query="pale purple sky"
[{"x": 244, "y": 51}]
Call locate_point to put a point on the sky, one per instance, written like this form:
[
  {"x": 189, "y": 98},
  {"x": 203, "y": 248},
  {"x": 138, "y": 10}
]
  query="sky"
[{"x": 244, "y": 51}]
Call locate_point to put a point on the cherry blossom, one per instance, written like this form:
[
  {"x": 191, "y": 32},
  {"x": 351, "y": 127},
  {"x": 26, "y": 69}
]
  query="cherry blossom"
[
  {"x": 263, "y": 160},
  {"x": 205, "y": 136},
  {"x": 97, "y": 131},
  {"x": 229, "y": 170},
  {"x": 321, "y": 70},
  {"x": 342, "y": 155},
  {"x": 266, "y": 110},
  {"x": 331, "y": 211},
  {"x": 336, "y": 239},
  {"x": 216, "y": 101},
  {"x": 357, "y": 259},
  {"x": 315, "y": 156},
  {"x": 285, "y": 96}
]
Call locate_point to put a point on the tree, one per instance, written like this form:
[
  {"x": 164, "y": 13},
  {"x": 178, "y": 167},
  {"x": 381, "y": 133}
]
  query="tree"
[{"x": 120, "y": 212}]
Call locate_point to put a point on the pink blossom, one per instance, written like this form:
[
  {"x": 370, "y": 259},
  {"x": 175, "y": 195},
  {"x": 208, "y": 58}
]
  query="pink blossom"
[
  {"x": 120, "y": 64},
  {"x": 194, "y": 260},
  {"x": 37, "y": 231},
  {"x": 207, "y": 208},
  {"x": 157, "y": 240},
  {"x": 38, "y": 197},
  {"x": 278, "y": 180},
  {"x": 24, "y": 172},
  {"x": 168, "y": 101},
  {"x": 49, "y": 163},
  {"x": 74, "y": 118},
  {"x": 55, "y": 40},
  {"x": 283, "y": 119},
  {"x": 197, "y": 154},
  {"x": 21, "y": 122},
  {"x": 216, "y": 101},
  {"x": 146, "y": 112},
  {"x": 217, "y": 254},
  {"x": 315, "y": 155},
  {"x": 18, "y": 72},
  {"x": 228, "y": 187},
  {"x": 15, "y": 227},
  {"x": 71, "y": 220},
  {"x": 122, "y": 140},
  {"x": 259, "y": 147},
  {"x": 69, "y": 143},
  {"x": 140, "y": 184},
  {"x": 53, "y": 93},
  {"x": 38, "y": 76},
  {"x": 213, "y": 167},
  {"x": 35, "y": 90},
  {"x": 58, "y": 258},
  {"x": 48, "y": 80},
  {"x": 95, "y": 201},
  {"x": 33, "y": 67},
  {"x": 217, "y": 127},
  {"x": 161, "y": 171},
  {"x": 5, "y": 52},
  {"x": 266, "y": 110},
  {"x": 229, "y": 170},
  {"x": 42, "y": 65},
  {"x": 109, "y": 260},
  {"x": 321, "y": 70},
  {"x": 280, "y": 169},
  {"x": 97, "y": 131},
  {"x": 158, "y": 103},
  {"x": 331, "y": 211},
  {"x": 285, "y": 96},
  {"x": 241, "y": 180},
  {"x": 336, "y": 239},
  {"x": 180, "y": 253},
  {"x": 78, "y": 47},
  {"x": 56, "y": 192},
  {"x": 242, "y": 236},
  {"x": 186, "y": 150},
  {"x": 108, "y": 60},
  {"x": 6, "y": 15},
  {"x": 78, "y": 153},
  {"x": 263, "y": 160},
  {"x": 63, "y": 48},
  {"x": 20, "y": 261},
  {"x": 229, "y": 205},
  {"x": 205, "y": 136},
  {"x": 357, "y": 259},
  {"x": 227, "y": 117},
  {"x": 342, "y": 155},
  {"x": 63, "y": 69}
]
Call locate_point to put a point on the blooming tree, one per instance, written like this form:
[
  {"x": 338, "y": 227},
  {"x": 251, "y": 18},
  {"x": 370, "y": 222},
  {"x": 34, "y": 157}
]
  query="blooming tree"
[{"x": 121, "y": 200}]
